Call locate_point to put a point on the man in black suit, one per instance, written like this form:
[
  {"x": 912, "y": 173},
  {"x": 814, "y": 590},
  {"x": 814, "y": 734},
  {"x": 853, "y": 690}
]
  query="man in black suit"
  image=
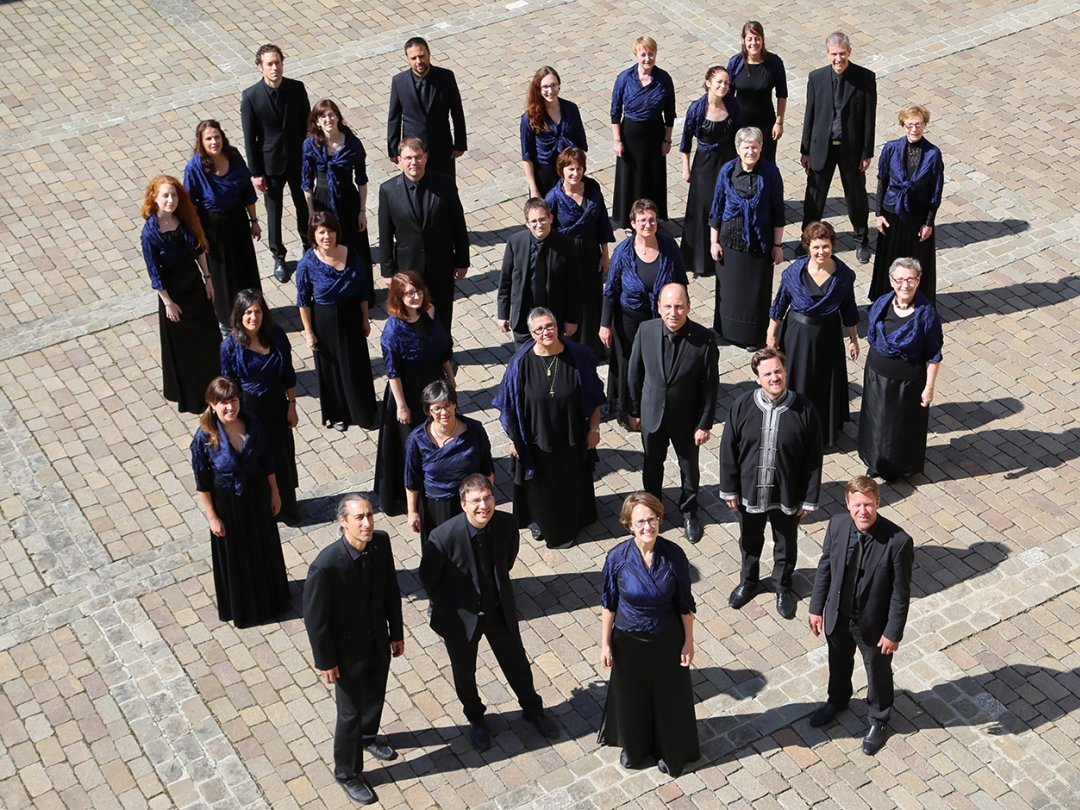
[
  {"x": 673, "y": 384},
  {"x": 422, "y": 228},
  {"x": 861, "y": 596},
  {"x": 838, "y": 130},
  {"x": 274, "y": 114},
  {"x": 423, "y": 100},
  {"x": 540, "y": 269},
  {"x": 465, "y": 569},
  {"x": 352, "y": 611}
]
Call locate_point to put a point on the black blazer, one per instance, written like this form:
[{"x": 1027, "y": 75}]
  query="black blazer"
[
  {"x": 563, "y": 279},
  {"x": 342, "y": 624},
  {"x": 434, "y": 247},
  {"x": 884, "y": 593},
  {"x": 408, "y": 118},
  {"x": 274, "y": 144},
  {"x": 687, "y": 399},
  {"x": 856, "y": 118},
  {"x": 448, "y": 571}
]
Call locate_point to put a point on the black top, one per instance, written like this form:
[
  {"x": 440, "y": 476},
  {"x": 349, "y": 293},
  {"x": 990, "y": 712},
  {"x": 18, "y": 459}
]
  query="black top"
[
  {"x": 745, "y": 184},
  {"x": 647, "y": 271},
  {"x": 754, "y": 89},
  {"x": 812, "y": 287},
  {"x": 552, "y": 403}
]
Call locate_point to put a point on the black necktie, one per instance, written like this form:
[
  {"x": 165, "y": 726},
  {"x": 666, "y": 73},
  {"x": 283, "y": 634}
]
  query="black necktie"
[
  {"x": 416, "y": 199},
  {"x": 671, "y": 352},
  {"x": 538, "y": 262},
  {"x": 425, "y": 92}
]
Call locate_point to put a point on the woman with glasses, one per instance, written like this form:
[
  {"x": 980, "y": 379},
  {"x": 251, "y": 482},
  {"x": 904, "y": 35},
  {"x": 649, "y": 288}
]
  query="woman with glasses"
[
  {"x": 904, "y": 334},
  {"x": 549, "y": 405},
  {"x": 910, "y": 178},
  {"x": 647, "y": 641},
  {"x": 548, "y": 126}
]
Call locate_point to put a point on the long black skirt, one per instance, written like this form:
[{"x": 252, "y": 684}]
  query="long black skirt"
[
  {"x": 642, "y": 170},
  {"x": 231, "y": 258},
  {"x": 249, "y": 568},
  {"x": 743, "y": 294},
  {"x": 190, "y": 349},
  {"x": 592, "y": 297},
  {"x": 343, "y": 366},
  {"x": 272, "y": 411},
  {"x": 817, "y": 369},
  {"x": 546, "y": 177},
  {"x": 901, "y": 240},
  {"x": 434, "y": 513},
  {"x": 695, "y": 238},
  {"x": 892, "y": 425},
  {"x": 624, "y": 328},
  {"x": 650, "y": 703},
  {"x": 560, "y": 499}
]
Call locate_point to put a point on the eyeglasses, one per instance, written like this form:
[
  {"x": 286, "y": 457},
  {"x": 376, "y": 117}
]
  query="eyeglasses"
[
  {"x": 449, "y": 406},
  {"x": 914, "y": 125},
  {"x": 909, "y": 281},
  {"x": 412, "y": 294},
  {"x": 645, "y": 523},
  {"x": 546, "y": 329},
  {"x": 645, "y": 221},
  {"x": 480, "y": 501}
]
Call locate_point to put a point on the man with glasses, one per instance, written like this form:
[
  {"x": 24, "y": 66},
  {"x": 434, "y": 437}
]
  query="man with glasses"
[{"x": 465, "y": 569}]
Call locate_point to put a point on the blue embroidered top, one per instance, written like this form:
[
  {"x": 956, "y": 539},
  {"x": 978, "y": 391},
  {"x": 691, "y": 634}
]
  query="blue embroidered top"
[
  {"x": 219, "y": 194},
  {"x": 760, "y": 213},
  {"x": 839, "y": 294},
  {"x": 631, "y": 101},
  {"x": 695, "y": 117},
  {"x": 259, "y": 374},
  {"x": 160, "y": 251},
  {"x": 588, "y": 220},
  {"x": 319, "y": 283},
  {"x": 921, "y": 191},
  {"x": 225, "y": 466},
  {"x": 346, "y": 165},
  {"x": 404, "y": 345},
  {"x": 919, "y": 340},
  {"x": 544, "y": 147},
  {"x": 625, "y": 288},
  {"x": 437, "y": 471},
  {"x": 647, "y": 600}
]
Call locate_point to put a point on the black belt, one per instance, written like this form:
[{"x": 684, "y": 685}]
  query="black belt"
[{"x": 811, "y": 320}]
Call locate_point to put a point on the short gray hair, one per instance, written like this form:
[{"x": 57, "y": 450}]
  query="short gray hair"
[
  {"x": 540, "y": 312},
  {"x": 748, "y": 134},
  {"x": 838, "y": 38},
  {"x": 908, "y": 264},
  {"x": 342, "y": 505}
]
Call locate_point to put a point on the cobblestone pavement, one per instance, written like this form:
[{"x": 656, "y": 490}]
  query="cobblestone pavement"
[{"x": 120, "y": 688}]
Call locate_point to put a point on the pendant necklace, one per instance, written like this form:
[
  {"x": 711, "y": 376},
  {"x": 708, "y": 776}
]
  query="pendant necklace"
[{"x": 552, "y": 371}]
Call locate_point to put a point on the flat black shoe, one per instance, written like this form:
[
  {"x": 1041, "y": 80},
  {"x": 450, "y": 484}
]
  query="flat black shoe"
[
  {"x": 281, "y": 273},
  {"x": 743, "y": 593},
  {"x": 543, "y": 724},
  {"x": 694, "y": 532},
  {"x": 785, "y": 604},
  {"x": 875, "y": 737},
  {"x": 359, "y": 790},
  {"x": 537, "y": 535},
  {"x": 624, "y": 760},
  {"x": 862, "y": 253},
  {"x": 384, "y": 752},
  {"x": 479, "y": 736},
  {"x": 824, "y": 714}
]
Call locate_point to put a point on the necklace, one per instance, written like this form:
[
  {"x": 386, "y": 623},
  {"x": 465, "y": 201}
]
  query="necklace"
[{"x": 552, "y": 371}]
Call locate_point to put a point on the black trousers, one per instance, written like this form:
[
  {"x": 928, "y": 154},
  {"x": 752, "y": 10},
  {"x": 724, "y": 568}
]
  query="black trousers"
[
  {"x": 845, "y": 638},
  {"x": 687, "y": 452},
  {"x": 275, "y": 192},
  {"x": 441, "y": 286},
  {"x": 360, "y": 700},
  {"x": 506, "y": 644},
  {"x": 854, "y": 182},
  {"x": 785, "y": 532}
]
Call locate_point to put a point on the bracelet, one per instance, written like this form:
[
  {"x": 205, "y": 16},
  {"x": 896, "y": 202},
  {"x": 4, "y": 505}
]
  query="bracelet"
[
  {"x": 253, "y": 220},
  {"x": 777, "y": 244},
  {"x": 291, "y": 400},
  {"x": 594, "y": 430}
]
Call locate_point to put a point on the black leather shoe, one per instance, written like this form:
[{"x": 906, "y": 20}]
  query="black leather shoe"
[
  {"x": 862, "y": 253},
  {"x": 281, "y": 273},
  {"x": 537, "y": 535},
  {"x": 694, "y": 532},
  {"x": 479, "y": 737},
  {"x": 785, "y": 604},
  {"x": 875, "y": 737},
  {"x": 359, "y": 790},
  {"x": 824, "y": 714},
  {"x": 662, "y": 766},
  {"x": 383, "y": 752},
  {"x": 743, "y": 593},
  {"x": 543, "y": 724}
]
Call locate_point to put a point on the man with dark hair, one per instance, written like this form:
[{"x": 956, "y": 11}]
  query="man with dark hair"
[
  {"x": 423, "y": 101},
  {"x": 274, "y": 113},
  {"x": 860, "y": 599},
  {"x": 352, "y": 612},
  {"x": 770, "y": 472},
  {"x": 465, "y": 569}
]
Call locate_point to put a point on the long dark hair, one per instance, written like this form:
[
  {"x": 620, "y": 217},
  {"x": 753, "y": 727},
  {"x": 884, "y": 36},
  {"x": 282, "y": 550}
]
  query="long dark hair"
[
  {"x": 244, "y": 299},
  {"x": 313, "y": 128},
  {"x": 753, "y": 27},
  {"x": 227, "y": 149},
  {"x": 220, "y": 389}
]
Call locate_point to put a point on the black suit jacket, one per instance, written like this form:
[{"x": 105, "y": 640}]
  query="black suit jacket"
[
  {"x": 685, "y": 400},
  {"x": 563, "y": 286},
  {"x": 449, "y": 573},
  {"x": 274, "y": 143},
  {"x": 883, "y": 595},
  {"x": 343, "y": 624},
  {"x": 408, "y": 118},
  {"x": 433, "y": 247},
  {"x": 856, "y": 118}
]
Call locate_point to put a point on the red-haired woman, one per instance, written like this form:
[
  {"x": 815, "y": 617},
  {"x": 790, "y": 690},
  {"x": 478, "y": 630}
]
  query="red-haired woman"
[
  {"x": 548, "y": 126},
  {"x": 174, "y": 248}
]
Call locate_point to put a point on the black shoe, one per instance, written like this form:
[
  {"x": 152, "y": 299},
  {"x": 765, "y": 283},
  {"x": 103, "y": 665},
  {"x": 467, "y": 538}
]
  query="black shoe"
[
  {"x": 743, "y": 593},
  {"x": 561, "y": 546},
  {"x": 479, "y": 737},
  {"x": 694, "y": 532},
  {"x": 785, "y": 604},
  {"x": 875, "y": 737},
  {"x": 281, "y": 273},
  {"x": 537, "y": 535},
  {"x": 359, "y": 790},
  {"x": 824, "y": 714},
  {"x": 662, "y": 766},
  {"x": 543, "y": 724},
  {"x": 340, "y": 426},
  {"x": 384, "y": 752},
  {"x": 862, "y": 253}
]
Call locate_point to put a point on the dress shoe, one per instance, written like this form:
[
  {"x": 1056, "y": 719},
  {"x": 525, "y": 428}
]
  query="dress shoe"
[
  {"x": 785, "y": 604},
  {"x": 281, "y": 273},
  {"x": 862, "y": 253},
  {"x": 384, "y": 752},
  {"x": 359, "y": 790},
  {"x": 824, "y": 714},
  {"x": 537, "y": 535},
  {"x": 543, "y": 724},
  {"x": 875, "y": 737},
  {"x": 694, "y": 532},
  {"x": 662, "y": 766},
  {"x": 479, "y": 737},
  {"x": 742, "y": 594},
  {"x": 624, "y": 760},
  {"x": 561, "y": 546},
  {"x": 340, "y": 427}
]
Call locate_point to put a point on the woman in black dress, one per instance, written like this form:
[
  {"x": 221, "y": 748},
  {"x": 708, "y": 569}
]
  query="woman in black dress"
[
  {"x": 713, "y": 121},
  {"x": 257, "y": 355},
  {"x": 174, "y": 248},
  {"x": 747, "y": 233},
  {"x": 549, "y": 405},
  {"x": 416, "y": 351},
  {"x": 219, "y": 183},
  {"x": 647, "y": 640},
  {"x": 904, "y": 334},
  {"x": 816, "y": 300},
  {"x": 642, "y": 119},
  {"x": 333, "y": 296},
  {"x": 755, "y": 74},
  {"x": 911, "y": 175},
  {"x": 548, "y": 126},
  {"x": 237, "y": 490}
]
